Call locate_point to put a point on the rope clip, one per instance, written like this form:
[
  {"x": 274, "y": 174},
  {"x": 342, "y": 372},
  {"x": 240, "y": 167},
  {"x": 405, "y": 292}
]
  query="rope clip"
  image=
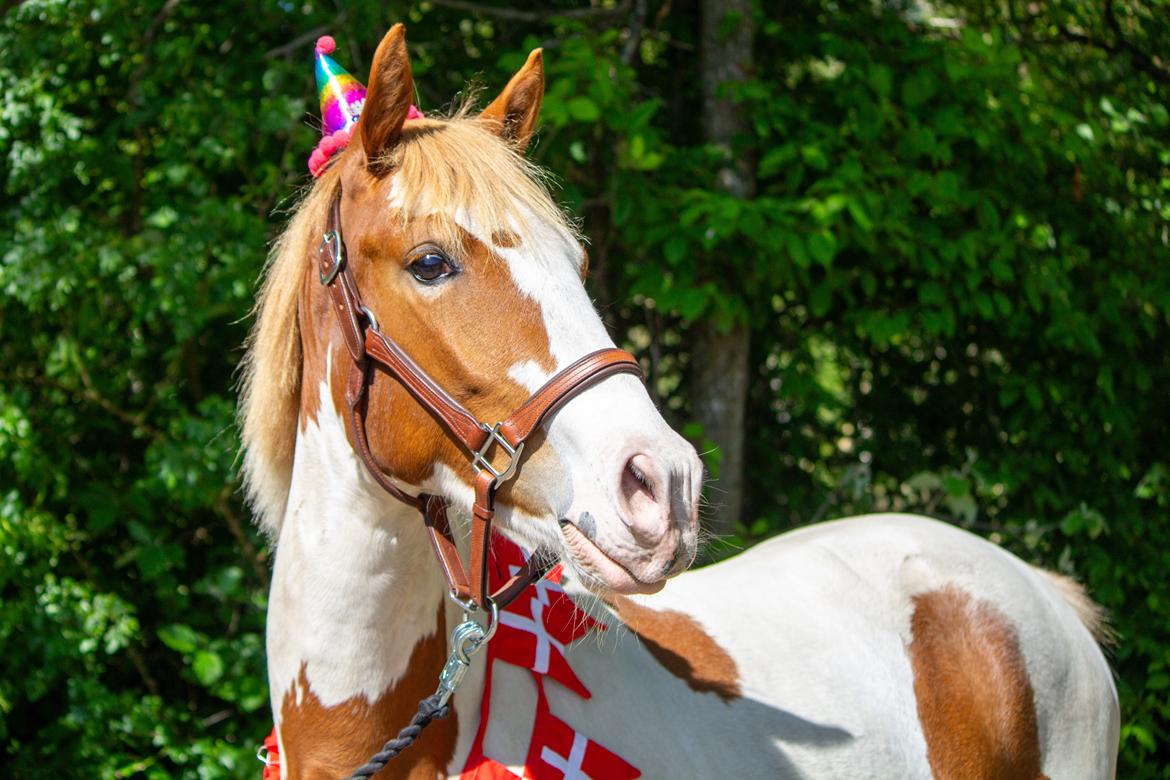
[{"x": 466, "y": 640}]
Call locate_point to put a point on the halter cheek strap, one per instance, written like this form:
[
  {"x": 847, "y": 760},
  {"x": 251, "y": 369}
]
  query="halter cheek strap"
[{"x": 371, "y": 351}]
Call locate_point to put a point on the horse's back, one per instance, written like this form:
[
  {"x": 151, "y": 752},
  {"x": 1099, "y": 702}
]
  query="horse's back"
[{"x": 934, "y": 651}]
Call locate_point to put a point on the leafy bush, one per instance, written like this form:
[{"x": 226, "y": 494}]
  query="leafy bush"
[{"x": 954, "y": 276}]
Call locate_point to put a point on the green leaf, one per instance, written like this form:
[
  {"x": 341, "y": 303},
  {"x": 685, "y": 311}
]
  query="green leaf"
[
  {"x": 932, "y": 294},
  {"x": 881, "y": 79},
  {"x": 796, "y": 250},
  {"x": 583, "y": 109},
  {"x": 859, "y": 216},
  {"x": 823, "y": 247},
  {"x": 956, "y": 486},
  {"x": 820, "y": 300},
  {"x": 918, "y": 87},
  {"x": 814, "y": 157},
  {"x": 1141, "y": 735},
  {"x": 675, "y": 249},
  {"x": 208, "y": 667},
  {"x": 180, "y": 638}
]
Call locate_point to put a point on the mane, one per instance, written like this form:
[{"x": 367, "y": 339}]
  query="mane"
[{"x": 456, "y": 166}]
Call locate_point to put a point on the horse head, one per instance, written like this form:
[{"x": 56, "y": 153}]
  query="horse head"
[{"x": 468, "y": 265}]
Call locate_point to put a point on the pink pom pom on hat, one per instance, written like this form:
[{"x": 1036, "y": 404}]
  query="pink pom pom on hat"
[{"x": 342, "y": 99}]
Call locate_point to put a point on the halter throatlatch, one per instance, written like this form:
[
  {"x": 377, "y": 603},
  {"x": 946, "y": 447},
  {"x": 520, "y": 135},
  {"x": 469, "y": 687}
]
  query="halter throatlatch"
[{"x": 371, "y": 350}]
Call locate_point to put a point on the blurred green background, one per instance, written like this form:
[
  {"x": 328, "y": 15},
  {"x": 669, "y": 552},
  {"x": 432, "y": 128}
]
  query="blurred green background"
[{"x": 951, "y": 288}]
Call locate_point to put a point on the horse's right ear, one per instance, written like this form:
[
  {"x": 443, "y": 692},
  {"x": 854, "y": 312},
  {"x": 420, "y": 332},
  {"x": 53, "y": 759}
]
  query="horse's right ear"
[{"x": 388, "y": 97}]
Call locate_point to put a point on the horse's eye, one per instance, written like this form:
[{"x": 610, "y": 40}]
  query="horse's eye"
[{"x": 432, "y": 267}]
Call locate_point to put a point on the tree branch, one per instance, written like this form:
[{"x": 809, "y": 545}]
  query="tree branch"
[
  {"x": 1120, "y": 45},
  {"x": 518, "y": 15},
  {"x": 1140, "y": 58},
  {"x": 633, "y": 43},
  {"x": 299, "y": 41},
  {"x": 224, "y": 509},
  {"x": 93, "y": 397}
]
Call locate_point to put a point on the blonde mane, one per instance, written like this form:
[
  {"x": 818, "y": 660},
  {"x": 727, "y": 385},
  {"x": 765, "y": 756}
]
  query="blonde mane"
[{"x": 454, "y": 166}]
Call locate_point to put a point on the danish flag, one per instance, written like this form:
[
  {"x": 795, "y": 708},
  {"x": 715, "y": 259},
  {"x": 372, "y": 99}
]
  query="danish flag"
[
  {"x": 559, "y": 752},
  {"x": 533, "y": 633},
  {"x": 536, "y": 628},
  {"x": 483, "y": 768}
]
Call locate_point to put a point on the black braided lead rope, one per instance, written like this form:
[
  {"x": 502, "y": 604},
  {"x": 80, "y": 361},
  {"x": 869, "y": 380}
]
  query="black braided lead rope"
[{"x": 429, "y": 709}]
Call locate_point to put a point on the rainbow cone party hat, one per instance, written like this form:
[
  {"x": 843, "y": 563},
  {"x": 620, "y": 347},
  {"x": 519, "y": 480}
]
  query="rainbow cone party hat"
[{"x": 342, "y": 97}]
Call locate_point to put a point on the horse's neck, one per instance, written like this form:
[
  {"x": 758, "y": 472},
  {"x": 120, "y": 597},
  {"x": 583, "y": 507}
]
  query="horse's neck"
[{"x": 356, "y": 623}]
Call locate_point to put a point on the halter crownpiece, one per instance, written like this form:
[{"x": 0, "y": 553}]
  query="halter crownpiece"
[{"x": 342, "y": 97}]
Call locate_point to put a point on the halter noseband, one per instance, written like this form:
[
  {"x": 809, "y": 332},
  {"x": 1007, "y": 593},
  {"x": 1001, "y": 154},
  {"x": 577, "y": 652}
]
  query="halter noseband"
[{"x": 369, "y": 346}]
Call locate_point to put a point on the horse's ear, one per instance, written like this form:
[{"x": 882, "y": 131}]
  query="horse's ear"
[
  {"x": 388, "y": 97},
  {"x": 514, "y": 112}
]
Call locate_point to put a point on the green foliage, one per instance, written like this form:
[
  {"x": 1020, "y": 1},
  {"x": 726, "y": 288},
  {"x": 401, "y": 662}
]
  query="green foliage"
[{"x": 954, "y": 273}]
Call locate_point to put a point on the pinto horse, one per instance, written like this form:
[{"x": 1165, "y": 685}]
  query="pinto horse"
[{"x": 886, "y": 646}]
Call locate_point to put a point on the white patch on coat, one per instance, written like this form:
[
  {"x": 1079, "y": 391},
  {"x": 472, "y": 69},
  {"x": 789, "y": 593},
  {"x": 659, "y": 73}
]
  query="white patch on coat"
[{"x": 355, "y": 586}]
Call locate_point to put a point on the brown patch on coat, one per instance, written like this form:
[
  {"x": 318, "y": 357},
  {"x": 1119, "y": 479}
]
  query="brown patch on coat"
[
  {"x": 329, "y": 742},
  {"x": 314, "y": 349},
  {"x": 679, "y": 643},
  {"x": 506, "y": 239},
  {"x": 974, "y": 697}
]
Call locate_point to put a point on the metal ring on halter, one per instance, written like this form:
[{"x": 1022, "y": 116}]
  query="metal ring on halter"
[
  {"x": 469, "y": 608},
  {"x": 467, "y": 605},
  {"x": 493, "y": 623},
  {"x": 332, "y": 238},
  {"x": 370, "y": 316}
]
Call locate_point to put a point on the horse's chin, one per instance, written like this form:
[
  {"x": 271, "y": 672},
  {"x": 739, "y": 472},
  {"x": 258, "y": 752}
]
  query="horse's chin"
[{"x": 598, "y": 571}]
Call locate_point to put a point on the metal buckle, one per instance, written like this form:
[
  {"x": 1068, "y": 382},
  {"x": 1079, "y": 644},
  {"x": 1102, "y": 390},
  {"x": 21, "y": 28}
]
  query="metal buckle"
[
  {"x": 479, "y": 458},
  {"x": 328, "y": 241}
]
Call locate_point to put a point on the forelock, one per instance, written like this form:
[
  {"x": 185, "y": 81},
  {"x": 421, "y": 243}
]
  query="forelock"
[{"x": 460, "y": 168}]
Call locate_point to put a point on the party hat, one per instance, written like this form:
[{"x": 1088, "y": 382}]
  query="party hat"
[{"x": 342, "y": 98}]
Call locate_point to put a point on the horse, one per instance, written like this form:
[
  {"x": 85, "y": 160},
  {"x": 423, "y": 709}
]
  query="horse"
[{"x": 880, "y": 646}]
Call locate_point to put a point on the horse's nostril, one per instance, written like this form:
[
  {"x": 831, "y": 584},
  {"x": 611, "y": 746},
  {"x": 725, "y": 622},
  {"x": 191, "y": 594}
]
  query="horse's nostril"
[
  {"x": 642, "y": 483},
  {"x": 635, "y": 481}
]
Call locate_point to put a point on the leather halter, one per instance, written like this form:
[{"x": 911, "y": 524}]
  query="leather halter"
[{"x": 370, "y": 348}]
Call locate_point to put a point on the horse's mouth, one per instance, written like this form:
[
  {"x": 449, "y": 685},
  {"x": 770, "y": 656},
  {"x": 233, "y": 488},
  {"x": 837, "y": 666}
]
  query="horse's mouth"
[{"x": 599, "y": 571}]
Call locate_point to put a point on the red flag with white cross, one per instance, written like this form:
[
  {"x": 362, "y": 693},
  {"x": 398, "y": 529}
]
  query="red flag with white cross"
[
  {"x": 559, "y": 752},
  {"x": 484, "y": 768},
  {"x": 536, "y": 628}
]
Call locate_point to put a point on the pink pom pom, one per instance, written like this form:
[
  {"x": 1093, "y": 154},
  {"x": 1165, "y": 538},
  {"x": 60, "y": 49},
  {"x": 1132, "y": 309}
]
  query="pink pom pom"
[
  {"x": 328, "y": 144},
  {"x": 317, "y": 161},
  {"x": 414, "y": 113},
  {"x": 326, "y": 44}
]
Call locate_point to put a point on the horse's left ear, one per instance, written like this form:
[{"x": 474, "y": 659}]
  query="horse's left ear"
[
  {"x": 388, "y": 97},
  {"x": 514, "y": 112}
]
